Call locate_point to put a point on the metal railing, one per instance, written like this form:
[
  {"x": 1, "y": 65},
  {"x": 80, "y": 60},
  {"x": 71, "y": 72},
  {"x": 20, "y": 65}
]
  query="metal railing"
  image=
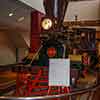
[{"x": 89, "y": 93}]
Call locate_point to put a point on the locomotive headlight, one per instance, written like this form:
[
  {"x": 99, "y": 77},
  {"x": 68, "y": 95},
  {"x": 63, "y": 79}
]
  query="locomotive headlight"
[{"x": 47, "y": 24}]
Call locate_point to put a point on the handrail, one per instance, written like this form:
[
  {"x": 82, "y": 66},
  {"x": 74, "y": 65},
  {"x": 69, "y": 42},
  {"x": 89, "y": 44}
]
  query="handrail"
[
  {"x": 7, "y": 84},
  {"x": 89, "y": 89}
]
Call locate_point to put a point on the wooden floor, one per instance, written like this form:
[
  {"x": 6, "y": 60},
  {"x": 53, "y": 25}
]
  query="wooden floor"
[{"x": 7, "y": 76}]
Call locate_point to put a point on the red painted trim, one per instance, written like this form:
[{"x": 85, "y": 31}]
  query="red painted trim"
[{"x": 35, "y": 31}]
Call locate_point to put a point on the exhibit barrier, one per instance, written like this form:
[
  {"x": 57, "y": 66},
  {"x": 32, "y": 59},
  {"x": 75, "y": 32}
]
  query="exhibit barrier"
[
  {"x": 90, "y": 93},
  {"x": 86, "y": 93}
]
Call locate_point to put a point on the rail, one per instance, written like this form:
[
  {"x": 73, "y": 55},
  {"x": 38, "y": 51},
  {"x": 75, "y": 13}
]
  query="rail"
[{"x": 91, "y": 91}]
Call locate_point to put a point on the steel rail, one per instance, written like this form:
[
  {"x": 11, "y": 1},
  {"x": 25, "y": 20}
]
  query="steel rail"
[{"x": 77, "y": 92}]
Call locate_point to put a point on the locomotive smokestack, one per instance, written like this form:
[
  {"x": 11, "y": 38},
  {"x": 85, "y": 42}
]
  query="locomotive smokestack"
[{"x": 56, "y": 9}]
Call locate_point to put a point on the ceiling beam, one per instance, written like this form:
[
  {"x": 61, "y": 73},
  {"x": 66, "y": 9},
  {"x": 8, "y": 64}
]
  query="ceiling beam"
[
  {"x": 82, "y": 23},
  {"x": 80, "y": 0}
]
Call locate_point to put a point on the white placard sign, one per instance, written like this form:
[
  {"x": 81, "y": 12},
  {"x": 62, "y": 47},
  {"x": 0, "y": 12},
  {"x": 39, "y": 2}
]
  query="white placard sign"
[{"x": 59, "y": 72}]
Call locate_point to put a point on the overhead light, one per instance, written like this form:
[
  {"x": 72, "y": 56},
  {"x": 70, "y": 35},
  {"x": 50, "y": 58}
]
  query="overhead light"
[
  {"x": 11, "y": 14},
  {"x": 83, "y": 34},
  {"x": 21, "y": 19}
]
